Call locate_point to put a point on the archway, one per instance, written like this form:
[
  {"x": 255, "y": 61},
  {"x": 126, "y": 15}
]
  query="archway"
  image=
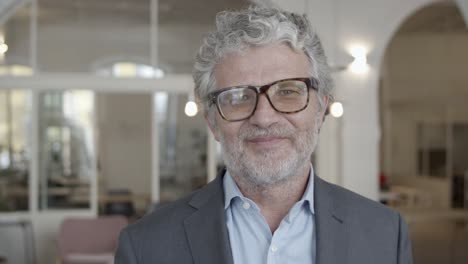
[{"x": 423, "y": 86}]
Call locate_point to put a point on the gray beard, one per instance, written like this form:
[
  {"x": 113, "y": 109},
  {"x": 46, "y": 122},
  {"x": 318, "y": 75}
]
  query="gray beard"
[{"x": 266, "y": 169}]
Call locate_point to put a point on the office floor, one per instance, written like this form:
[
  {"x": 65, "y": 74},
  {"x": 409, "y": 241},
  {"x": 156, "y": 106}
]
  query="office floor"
[{"x": 439, "y": 242}]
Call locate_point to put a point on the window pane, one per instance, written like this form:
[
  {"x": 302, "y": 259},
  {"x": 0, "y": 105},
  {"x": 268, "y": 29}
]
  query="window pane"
[
  {"x": 66, "y": 149},
  {"x": 182, "y": 149},
  {"x": 14, "y": 150}
]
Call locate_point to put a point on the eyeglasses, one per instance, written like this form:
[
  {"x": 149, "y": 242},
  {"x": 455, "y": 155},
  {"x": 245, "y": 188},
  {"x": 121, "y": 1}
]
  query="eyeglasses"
[{"x": 285, "y": 96}]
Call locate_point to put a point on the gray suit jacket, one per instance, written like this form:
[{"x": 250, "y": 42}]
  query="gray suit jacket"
[{"x": 350, "y": 229}]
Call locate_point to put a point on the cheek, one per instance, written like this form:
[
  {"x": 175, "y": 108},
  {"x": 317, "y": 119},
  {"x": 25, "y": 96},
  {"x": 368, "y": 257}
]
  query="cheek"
[
  {"x": 306, "y": 117},
  {"x": 231, "y": 132},
  {"x": 227, "y": 131}
]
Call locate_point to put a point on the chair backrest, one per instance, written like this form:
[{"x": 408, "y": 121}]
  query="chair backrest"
[{"x": 90, "y": 235}]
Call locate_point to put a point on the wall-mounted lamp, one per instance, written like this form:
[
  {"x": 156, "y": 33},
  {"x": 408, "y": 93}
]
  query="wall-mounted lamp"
[
  {"x": 3, "y": 48},
  {"x": 359, "y": 64},
  {"x": 355, "y": 61},
  {"x": 336, "y": 109}
]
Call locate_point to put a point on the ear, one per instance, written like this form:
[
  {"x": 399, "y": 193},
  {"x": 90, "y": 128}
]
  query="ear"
[
  {"x": 212, "y": 127},
  {"x": 326, "y": 101},
  {"x": 324, "y": 111}
]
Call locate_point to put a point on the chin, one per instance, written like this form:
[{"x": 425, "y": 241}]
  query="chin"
[{"x": 268, "y": 178}]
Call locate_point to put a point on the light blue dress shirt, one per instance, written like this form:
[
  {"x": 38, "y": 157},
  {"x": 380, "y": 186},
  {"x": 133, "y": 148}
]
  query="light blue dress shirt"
[{"x": 251, "y": 240}]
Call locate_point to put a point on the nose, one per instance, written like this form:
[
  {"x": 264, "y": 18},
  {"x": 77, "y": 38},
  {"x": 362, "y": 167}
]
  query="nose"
[{"x": 265, "y": 115}]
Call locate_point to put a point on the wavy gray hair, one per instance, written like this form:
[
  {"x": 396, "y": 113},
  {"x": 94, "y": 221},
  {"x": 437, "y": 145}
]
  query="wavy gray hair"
[{"x": 258, "y": 26}]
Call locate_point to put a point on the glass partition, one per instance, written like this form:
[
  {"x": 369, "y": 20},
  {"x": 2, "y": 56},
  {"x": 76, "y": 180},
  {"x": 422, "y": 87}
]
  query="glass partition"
[
  {"x": 182, "y": 147},
  {"x": 14, "y": 150},
  {"x": 66, "y": 149},
  {"x": 124, "y": 143}
]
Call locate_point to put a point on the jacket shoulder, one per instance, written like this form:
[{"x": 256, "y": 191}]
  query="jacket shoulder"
[{"x": 358, "y": 205}]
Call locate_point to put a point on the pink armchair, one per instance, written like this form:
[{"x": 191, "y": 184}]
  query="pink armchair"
[{"x": 89, "y": 240}]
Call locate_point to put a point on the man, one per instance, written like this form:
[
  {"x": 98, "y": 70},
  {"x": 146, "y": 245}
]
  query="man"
[{"x": 263, "y": 80}]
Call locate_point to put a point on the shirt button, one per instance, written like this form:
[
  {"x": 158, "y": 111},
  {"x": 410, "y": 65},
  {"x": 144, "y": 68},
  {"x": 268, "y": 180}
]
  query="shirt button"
[
  {"x": 274, "y": 248},
  {"x": 246, "y": 205}
]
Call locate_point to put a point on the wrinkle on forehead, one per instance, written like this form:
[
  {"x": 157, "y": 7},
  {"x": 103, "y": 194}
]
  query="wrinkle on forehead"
[{"x": 261, "y": 65}]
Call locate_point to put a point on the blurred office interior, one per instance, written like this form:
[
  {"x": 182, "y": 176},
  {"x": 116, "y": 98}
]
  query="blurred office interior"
[{"x": 97, "y": 127}]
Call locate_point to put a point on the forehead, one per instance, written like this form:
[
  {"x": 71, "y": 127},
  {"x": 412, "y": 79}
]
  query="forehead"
[{"x": 261, "y": 65}]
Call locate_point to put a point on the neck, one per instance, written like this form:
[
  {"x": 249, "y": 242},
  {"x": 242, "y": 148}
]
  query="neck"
[{"x": 276, "y": 200}]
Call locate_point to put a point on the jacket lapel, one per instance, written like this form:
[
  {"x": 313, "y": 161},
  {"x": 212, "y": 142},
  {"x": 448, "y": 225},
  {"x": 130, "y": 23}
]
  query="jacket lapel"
[
  {"x": 206, "y": 228},
  {"x": 332, "y": 230}
]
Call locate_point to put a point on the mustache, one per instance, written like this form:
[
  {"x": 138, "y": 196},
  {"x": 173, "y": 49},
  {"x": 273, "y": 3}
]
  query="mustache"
[{"x": 275, "y": 131}]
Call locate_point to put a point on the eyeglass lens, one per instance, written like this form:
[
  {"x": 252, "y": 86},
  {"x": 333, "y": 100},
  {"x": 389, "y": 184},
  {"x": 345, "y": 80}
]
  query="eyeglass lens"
[{"x": 286, "y": 96}]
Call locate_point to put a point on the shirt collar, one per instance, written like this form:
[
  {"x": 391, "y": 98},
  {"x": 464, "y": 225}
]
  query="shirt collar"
[{"x": 231, "y": 190}]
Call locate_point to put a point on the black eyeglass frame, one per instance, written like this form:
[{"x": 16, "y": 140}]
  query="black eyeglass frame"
[{"x": 311, "y": 83}]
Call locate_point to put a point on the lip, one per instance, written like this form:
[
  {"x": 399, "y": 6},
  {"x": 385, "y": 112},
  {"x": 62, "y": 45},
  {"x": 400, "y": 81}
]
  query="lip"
[{"x": 266, "y": 140}]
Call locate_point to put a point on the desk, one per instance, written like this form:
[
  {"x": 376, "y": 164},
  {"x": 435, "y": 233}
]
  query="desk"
[
  {"x": 403, "y": 196},
  {"x": 104, "y": 198}
]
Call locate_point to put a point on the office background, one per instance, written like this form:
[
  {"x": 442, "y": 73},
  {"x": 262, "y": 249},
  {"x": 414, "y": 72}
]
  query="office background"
[{"x": 95, "y": 118}]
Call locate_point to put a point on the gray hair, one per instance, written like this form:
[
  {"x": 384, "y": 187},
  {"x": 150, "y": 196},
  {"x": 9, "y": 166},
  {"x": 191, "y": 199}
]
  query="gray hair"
[{"x": 258, "y": 26}]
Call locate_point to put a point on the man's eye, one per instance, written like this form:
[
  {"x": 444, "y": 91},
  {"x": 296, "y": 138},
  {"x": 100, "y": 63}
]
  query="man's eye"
[
  {"x": 241, "y": 97},
  {"x": 244, "y": 97},
  {"x": 288, "y": 92}
]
